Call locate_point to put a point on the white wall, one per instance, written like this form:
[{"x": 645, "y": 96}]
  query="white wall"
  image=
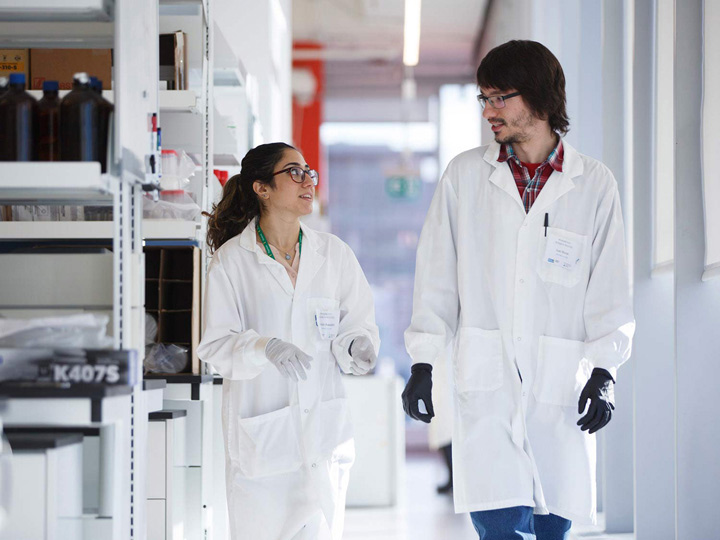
[
  {"x": 697, "y": 303},
  {"x": 653, "y": 347},
  {"x": 260, "y": 34}
]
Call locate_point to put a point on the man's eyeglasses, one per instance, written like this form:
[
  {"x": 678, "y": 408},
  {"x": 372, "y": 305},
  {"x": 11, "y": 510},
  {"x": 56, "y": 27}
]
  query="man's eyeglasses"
[
  {"x": 496, "y": 102},
  {"x": 298, "y": 174}
]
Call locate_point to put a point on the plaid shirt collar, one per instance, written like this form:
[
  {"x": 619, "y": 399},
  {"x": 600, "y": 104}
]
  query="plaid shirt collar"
[
  {"x": 529, "y": 187},
  {"x": 555, "y": 159}
]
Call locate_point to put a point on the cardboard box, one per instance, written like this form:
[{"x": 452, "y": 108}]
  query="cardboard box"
[
  {"x": 14, "y": 61},
  {"x": 173, "y": 60},
  {"x": 61, "y": 64}
]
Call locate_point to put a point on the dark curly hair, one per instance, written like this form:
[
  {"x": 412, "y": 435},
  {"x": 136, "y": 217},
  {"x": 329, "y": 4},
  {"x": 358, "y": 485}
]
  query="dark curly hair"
[
  {"x": 530, "y": 68},
  {"x": 240, "y": 204}
]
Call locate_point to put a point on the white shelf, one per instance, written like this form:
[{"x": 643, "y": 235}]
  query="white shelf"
[
  {"x": 52, "y": 10},
  {"x": 38, "y": 94},
  {"x": 153, "y": 229},
  {"x": 229, "y": 77},
  {"x": 63, "y": 182},
  {"x": 178, "y": 101},
  {"x": 168, "y": 100}
]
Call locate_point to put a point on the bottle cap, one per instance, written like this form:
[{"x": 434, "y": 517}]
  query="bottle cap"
[
  {"x": 50, "y": 86},
  {"x": 17, "y": 78},
  {"x": 4, "y": 81},
  {"x": 81, "y": 77}
]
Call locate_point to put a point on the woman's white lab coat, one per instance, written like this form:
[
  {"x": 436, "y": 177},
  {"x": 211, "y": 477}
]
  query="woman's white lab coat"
[
  {"x": 289, "y": 445},
  {"x": 531, "y": 313}
]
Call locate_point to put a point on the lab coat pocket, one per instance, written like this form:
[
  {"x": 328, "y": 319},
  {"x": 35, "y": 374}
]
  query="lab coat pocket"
[
  {"x": 561, "y": 371},
  {"x": 562, "y": 256},
  {"x": 265, "y": 445},
  {"x": 323, "y": 315},
  {"x": 327, "y": 429},
  {"x": 479, "y": 360}
]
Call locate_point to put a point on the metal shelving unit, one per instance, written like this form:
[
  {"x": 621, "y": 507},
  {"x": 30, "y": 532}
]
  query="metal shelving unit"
[{"x": 129, "y": 27}]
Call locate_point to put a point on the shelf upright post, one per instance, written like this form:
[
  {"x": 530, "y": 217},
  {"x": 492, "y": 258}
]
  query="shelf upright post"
[
  {"x": 136, "y": 73},
  {"x": 208, "y": 162}
]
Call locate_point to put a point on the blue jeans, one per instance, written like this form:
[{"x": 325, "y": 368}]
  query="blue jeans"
[{"x": 519, "y": 523}]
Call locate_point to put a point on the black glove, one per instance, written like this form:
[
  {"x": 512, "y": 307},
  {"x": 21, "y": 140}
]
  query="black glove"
[
  {"x": 419, "y": 387},
  {"x": 600, "y": 391}
]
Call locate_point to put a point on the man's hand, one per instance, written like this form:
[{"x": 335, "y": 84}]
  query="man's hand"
[
  {"x": 419, "y": 387},
  {"x": 600, "y": 391}
]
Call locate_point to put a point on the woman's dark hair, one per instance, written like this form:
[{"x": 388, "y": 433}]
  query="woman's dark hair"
[
  {"x": 240, "y": 204},
  {"x": 531, "y": 69}
]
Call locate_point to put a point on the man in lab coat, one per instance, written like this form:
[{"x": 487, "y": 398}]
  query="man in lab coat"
[{"x": 522, "y": 264}]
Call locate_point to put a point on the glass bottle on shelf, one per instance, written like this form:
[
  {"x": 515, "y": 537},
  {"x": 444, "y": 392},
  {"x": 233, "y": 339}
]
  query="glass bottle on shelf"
[
  {"x": 80, "y": 123},
  {"x": 18, "y": 122},
  {"x": 106, "y": 112},
  {"x": 49, "y": 123}
]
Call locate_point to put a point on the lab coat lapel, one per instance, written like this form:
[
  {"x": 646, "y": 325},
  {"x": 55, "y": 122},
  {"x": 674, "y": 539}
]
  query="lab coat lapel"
[
  {"x": 310, "y": 260},
  {"x": 502, "y": 175},
  {"x": 559, "y": 183},
  {"x": 275, "y": 269}
]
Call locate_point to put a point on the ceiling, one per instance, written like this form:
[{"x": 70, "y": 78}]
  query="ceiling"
[{"x": 363, "y": 41}]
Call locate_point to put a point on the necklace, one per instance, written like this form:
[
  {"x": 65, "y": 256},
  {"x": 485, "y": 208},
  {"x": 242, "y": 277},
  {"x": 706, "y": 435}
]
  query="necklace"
[{"x": 267, "y": 246}]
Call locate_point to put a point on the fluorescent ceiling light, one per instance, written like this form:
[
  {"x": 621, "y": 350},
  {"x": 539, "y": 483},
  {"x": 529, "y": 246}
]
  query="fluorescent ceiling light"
[{"x": 411, "y": 49}]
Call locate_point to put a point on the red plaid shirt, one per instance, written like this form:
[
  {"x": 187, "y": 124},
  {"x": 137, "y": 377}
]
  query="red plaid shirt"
[{"x": 529, "y": 187}]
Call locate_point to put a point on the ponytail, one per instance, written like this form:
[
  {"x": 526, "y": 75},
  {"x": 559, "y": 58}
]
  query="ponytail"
[{"x": 240, "y": 205}]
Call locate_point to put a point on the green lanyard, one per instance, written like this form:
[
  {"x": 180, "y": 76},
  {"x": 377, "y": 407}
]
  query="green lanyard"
[{"x": 267, "y": 246}]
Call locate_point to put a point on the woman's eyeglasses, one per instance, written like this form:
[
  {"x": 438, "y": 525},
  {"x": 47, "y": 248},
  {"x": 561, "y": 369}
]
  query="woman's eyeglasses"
[{"x": 298, "y": 174}]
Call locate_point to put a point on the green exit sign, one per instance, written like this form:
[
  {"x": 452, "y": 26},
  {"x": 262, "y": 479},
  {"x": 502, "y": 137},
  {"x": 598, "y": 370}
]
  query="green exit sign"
[{"x": 402, "y": 187}]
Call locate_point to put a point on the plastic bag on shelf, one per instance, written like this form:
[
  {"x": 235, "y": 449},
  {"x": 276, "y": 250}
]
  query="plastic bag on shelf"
[
  {"x": 173, "y": 204},
  {"x": 85, "y": 331},
  {"x": 163, "y": 358}
]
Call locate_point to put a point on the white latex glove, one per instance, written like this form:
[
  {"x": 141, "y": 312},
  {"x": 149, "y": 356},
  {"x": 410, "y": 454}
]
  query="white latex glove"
[
  {"x": 289, "y": 360},
  {"x": 363, "y": 355}
]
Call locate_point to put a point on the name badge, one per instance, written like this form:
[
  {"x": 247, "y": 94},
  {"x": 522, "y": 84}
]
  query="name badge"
[
  {"x": 562, "y": 252},
  {"x": 327, "y": 322}
]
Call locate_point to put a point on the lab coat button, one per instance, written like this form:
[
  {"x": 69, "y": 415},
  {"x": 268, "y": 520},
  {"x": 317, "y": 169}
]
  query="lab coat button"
[
  {"x": 519, "y": 339},
  {"x": 314, "y": 465},
  {"x": 522, "y": 281},
  {"x": 307, "y": 410}
]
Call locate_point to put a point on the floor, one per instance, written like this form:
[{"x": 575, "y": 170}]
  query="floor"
[{"x": 425, "y": 515}]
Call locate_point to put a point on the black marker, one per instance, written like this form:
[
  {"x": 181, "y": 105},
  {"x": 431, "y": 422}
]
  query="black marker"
[{"x": 546, "y": 223}]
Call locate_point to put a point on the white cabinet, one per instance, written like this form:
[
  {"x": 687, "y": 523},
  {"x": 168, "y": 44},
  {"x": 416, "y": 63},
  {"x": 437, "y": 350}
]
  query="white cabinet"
[{"x": 377, "y": 477}]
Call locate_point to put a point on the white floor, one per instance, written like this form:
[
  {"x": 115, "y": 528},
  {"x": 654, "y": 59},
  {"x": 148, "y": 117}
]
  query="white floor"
[{"x": 425, "y": 515}]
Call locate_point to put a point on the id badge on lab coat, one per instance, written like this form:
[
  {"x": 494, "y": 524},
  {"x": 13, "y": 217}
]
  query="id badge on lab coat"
[
  {"x": 327, "y": 322},
  {"x": 562, "y": 251},
  {"x": 561, "y": 257}
]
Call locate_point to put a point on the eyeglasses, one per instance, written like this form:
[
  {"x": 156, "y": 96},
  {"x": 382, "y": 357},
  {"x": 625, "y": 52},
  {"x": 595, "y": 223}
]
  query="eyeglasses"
[
  {"x": 298, "y": 174},
  {"x": 496, "y": 102}
]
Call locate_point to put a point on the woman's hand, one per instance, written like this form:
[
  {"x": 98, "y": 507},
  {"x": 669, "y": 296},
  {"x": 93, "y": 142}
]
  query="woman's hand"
[
  {"x": 289, "y": 360},
  {"x": 363, "y": 355}
]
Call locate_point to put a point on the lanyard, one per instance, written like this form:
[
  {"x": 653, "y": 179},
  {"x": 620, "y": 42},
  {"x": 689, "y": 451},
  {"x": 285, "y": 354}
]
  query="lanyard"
[{"x": 267, "y": 247}]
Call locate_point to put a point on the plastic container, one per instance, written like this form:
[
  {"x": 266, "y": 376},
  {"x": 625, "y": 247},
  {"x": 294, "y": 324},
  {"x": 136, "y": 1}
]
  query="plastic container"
[
  {"x": 80, "y": 118},
  {"x": 175, "y": 196},
  {"x": 222, "y": 176},
  {"x": 177, "y": 168},
  {"x": 49, "y": 123},
  {"x": 4, "y": 86},
  {"x": 18, "y": 122}
]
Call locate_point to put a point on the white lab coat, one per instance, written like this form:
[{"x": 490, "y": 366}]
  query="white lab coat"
[
  {"x": 289, "y": 445},
  {"x": 483, "y": 279}
]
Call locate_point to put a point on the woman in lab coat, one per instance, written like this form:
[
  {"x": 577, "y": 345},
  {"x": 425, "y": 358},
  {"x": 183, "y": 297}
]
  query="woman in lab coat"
[{"x": 285, "y": 306}]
